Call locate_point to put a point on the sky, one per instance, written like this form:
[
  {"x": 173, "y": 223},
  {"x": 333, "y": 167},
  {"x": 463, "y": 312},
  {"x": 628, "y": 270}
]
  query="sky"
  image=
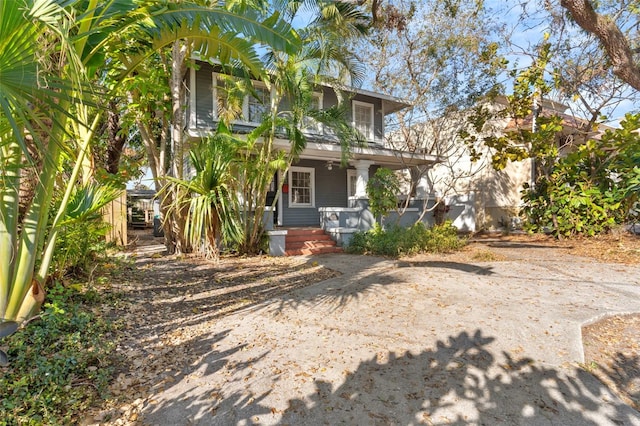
[
  {"x": 530, "y": 31},
  {"x": 525, "y": 33}
]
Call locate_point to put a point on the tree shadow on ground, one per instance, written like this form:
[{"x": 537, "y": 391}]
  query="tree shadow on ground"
[
  {"x": 457, "y": 266},
  {"x": 372, "y": 275},
  {"x": 459, "y": 381},
  {"x": 182, "y": 293},
  {"x": 172, "y": 294},
  {"x": 518, "y": 245},
  {"x": 625, "y": 372},
  {"x": 432, "y": 384},
  {"x": 337, "y": 293}
]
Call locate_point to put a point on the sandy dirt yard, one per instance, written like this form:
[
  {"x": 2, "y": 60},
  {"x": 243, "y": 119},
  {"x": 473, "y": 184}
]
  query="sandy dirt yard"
[{"x": 172, "y": 310}]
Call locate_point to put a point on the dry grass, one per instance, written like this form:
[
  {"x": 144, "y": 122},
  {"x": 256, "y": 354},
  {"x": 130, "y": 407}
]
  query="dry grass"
[
  {"x": 611, "y": 248},
  {"x": 612, "y": 354}
]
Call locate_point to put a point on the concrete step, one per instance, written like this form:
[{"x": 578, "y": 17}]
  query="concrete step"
[
  {"x": 309, "y": 244},
  {"x": 305, "y": 231},
  {"x": 307, "y": 251},
  {"x": 307, "y": 237},
  {"x": 308, "y": 241}
]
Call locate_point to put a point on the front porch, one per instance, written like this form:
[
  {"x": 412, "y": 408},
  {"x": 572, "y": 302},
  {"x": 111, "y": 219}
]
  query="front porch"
[
  {"x": 341, "y": 223},
  {"x": 338, "y": 224},
  {"x": 317, "y": 192}
]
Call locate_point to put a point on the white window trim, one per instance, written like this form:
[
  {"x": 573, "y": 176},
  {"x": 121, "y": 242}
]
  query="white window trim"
[
  {"x": 310, "y": 170},
  {"x": 245, "y": 103},
  {"x": 371, "y": 135},
  {"x": 351, "y": 173},
  {"x": 280, "y": 200},
  {"x": 192, "y": 98},
  {"x": 214, "y": 85},
  {"x": 318, "y": 129}
]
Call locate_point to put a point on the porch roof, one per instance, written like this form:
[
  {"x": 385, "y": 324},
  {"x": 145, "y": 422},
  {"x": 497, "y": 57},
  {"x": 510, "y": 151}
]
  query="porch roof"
[{"x": 391, "y": 158}]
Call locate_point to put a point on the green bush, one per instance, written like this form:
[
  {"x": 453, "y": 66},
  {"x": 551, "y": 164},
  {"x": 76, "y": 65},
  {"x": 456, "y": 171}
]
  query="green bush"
[
  {"x": 82, "y": 230},
  {"x": 399, "y": 241},
  {"x": 577, "y": 209},
  {"x": 382, "y": 190},
  {"x": 59, "y": 364},
  {"x": 79, "y": 245},
  {"x": 591, "y": 190}
]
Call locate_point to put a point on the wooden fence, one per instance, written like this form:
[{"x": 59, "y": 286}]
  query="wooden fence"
[{"x": 115, "y": 214}]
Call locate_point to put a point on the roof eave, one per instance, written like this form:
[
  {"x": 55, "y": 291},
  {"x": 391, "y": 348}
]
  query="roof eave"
[{"x": 381, "y": 156}]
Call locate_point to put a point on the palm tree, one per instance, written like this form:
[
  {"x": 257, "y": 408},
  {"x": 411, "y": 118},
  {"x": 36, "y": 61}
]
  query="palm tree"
[
  {"x": 210, "y": 197},
  {"x": 166, "y": 147},
  {"x": 49, "y": 53},
  {"x": 323, "y": 58}
]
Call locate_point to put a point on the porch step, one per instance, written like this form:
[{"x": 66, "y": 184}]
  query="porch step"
[
  {"x": 307, "y": 237},
  {"x": 307, "y": 252},
  {"x": 305, "y": 231},
  {"x": 293, "y": 245},
  {"x": 308, "y": 241}
]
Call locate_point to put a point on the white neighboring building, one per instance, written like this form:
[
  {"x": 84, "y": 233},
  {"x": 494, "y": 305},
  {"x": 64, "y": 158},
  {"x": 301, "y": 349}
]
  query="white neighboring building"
[{"x": 478, "y": 196}]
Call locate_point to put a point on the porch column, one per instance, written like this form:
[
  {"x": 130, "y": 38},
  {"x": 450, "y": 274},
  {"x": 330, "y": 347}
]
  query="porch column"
[{"x": 362, "y": 177}]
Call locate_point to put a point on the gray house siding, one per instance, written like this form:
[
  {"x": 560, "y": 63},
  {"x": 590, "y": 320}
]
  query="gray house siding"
[
  {"x": 204, "y": 97},
  {"x": 329, "y": 97},
  {"x": 204, "y": 102},
  {"x": 331, "y": 191}
]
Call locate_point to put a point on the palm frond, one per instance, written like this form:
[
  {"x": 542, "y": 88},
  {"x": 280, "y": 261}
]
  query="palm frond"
[
  {"x": 158, "y": 24},
  {"x": 87, "y": 201},
  {"x": 210, "y": 195}
]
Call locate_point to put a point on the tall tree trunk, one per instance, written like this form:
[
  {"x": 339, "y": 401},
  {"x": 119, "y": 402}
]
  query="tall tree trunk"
[
  {"x": 178, "y": 220},
  {"x": 115, "y": 139}
]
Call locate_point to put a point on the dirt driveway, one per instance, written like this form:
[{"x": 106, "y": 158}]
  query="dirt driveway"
[{"x": 488, "y": 339}]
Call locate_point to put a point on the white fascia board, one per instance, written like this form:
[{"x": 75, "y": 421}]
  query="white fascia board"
[{"x": 325, "y": 152}]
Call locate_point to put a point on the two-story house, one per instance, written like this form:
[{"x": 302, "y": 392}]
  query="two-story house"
[{"x": 316, "y": 190}]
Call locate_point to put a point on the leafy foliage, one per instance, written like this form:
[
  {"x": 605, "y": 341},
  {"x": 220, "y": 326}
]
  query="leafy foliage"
[
  {"x": 80, "y": 244},
  {"x": 383, "y": 189},
  {"x": 60, "y": 364},
  {"x": 579, "y": 208},
  {"x": 400, "y": 241},
  {"x": 590, "y": 190},
  {"x": 532, "y": 135},
  {"x": 51, "y": 52},
  {"x": 441, "y": 57},
  {"x": 578, "y": 190},
  {"x": 210, "y": 197},
  {"x": 81, "y": 233}
]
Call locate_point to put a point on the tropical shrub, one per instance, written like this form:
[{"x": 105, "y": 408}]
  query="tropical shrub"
[
  {"x": 49, "y": 53},
  {"x": 591, "y": 190},
  {"x": 80, "y": 244},
  {"x": 400, "y": 241},
  {"x": 81, "y": 232},
  {"x": 210, "y": 196},
  {"x": 60, "y": 364},
  {"x": 578, "y": 209},
  {"x": 383, "y": 189}
]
